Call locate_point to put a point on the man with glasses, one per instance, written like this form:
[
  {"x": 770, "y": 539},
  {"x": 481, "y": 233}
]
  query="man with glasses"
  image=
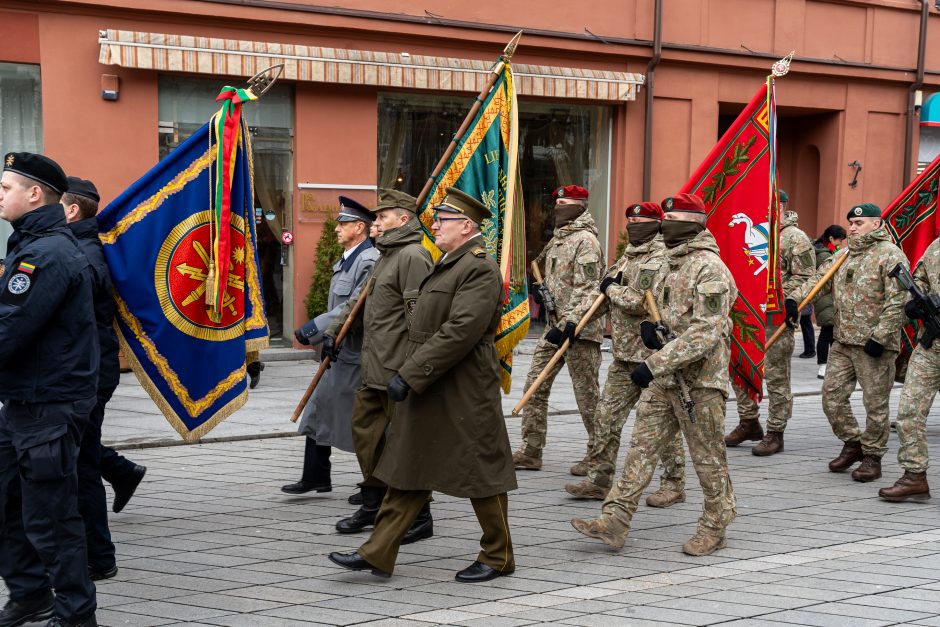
[
  {"x": 573, "y": 267},
  {"x": 447, "y": 433}
]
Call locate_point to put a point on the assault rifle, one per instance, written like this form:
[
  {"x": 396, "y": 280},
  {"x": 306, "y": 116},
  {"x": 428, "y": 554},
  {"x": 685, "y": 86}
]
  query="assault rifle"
[
  {"x": 928, "y": 305},
  {"x": 667, "y": 336},
  {"x": 548, "y": 301}
]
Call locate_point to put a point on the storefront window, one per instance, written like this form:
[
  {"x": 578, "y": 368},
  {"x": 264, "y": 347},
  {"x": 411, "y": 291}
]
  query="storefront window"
[
  {"x": 185, "y": 104},
  {"x": 559, "y": 144},
  {"x": 20, "y": 118}
]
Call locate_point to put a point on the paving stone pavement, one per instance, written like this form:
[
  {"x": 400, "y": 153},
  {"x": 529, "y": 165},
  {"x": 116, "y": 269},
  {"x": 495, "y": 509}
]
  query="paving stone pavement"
[{"x": 210, "y": 540}]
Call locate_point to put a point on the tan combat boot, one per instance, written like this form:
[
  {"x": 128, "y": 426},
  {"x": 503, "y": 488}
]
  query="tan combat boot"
[
  {"x": 704, "y": 543},
  {"x": 868, "y": 470},
  {"x": 746, "y": 430},
  {"x": 586, "y": 490},
  {"x": 580, "y": 469},
  {"x": 664, "y": 497},
  {"x": 526, "y": 462},
  {"x": 851, "y": 453},
  {"x": 912, "y": 486},
  {"x": 772, "y": 443},
  {"x": 609, "y": 529}
]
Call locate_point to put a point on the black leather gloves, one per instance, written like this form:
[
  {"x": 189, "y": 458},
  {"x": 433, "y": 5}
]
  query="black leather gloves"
[
  {"x": 299, "y": 334},
  {"x": 873, "y": 348},
  {"x": 911, "y": 311},
  {"x": 793, "y": 313},
  {"x": 642, "y": 376},
  {"x": 537, "y": 293},
  {"x": 555, "y": 336},
  {"x": 397, "y": 389},
  {"x": 649, "y": 336},
  {"x": 568, "y": 333},
  {"x": 329, "y": 348},
  {"x": 610, "y": 280}
]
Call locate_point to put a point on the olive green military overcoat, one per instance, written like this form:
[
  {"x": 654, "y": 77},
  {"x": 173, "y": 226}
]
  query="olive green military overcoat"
[{"x": 449, "y": 435}]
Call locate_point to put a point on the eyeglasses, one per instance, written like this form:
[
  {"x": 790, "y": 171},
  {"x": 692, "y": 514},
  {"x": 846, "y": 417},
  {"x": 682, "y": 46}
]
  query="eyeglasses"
[{"x": 437, "y": 219}]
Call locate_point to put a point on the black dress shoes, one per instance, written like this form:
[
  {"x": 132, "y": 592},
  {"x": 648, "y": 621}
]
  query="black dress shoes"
[
  {"x": 422, "y": 528},
  {"x": 98, "y": 575},
  {"x": 355, "y": 498},
  {"x": 360, "y": 519},
  {"x": 34, "y": 610},
  {"x": 302, "y": 487},
  {"x": 125, "y": 488},
  {"x": 354, "y": 561},
  {"x": 55, "y": 621},
  {"x": 478, "y": 571}
]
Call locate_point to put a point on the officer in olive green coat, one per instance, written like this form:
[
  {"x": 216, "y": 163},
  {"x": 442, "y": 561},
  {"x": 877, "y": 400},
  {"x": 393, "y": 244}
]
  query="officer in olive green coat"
[
  {"x": 448, "y": 433},
  {"x": 393, "y": 288}
]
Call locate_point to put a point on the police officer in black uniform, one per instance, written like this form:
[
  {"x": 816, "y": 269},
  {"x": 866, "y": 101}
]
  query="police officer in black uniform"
[
  {"x": 81, "y": 206},
  {"x": 48, "y": 383}
]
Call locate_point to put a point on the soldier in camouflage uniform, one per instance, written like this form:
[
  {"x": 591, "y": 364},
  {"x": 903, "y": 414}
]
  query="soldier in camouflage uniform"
[
  {"x": 573, "y": 264},
  {"x": 797, "y": 266},
  {"x": 920, "y": 387},
  {"x": 695, "y": 303},
  {"x": 869, "y": 313},
  {"x": 626, "y": 282}
]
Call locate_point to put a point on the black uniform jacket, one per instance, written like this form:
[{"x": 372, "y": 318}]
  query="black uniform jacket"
[{"x": 48, "y": 345}]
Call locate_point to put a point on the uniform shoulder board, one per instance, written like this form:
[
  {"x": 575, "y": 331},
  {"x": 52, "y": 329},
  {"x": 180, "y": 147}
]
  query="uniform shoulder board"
[{"x": 479, "y": 251}]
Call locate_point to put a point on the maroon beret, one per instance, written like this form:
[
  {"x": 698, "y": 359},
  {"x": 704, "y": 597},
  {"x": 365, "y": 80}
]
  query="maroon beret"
[
  {"x": 645, "y": 210},
  {"x": 573, "y": 192},
  {"x": 684, "y": 202}
]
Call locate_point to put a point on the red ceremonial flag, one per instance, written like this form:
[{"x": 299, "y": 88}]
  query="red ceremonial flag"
[
  {"x": 911, "y": 219},
  {"x": 736, "y": 185}
]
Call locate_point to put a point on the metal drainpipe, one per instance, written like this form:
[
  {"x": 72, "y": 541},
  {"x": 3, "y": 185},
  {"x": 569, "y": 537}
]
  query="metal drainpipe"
[
  {"x": 917, "y": 84},
  {"x": 648, "y": 124}
]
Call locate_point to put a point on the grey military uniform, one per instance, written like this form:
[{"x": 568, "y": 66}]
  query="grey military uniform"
[{"x": 327, "y": 416}]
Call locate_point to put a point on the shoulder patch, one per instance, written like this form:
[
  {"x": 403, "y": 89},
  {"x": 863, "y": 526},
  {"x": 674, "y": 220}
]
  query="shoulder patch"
[
  {"x": 19, "y": 286},
  {"x": 479, "y": 251}
]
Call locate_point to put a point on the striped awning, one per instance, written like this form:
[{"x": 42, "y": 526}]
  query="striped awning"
[{"x": 232, "y": 57}]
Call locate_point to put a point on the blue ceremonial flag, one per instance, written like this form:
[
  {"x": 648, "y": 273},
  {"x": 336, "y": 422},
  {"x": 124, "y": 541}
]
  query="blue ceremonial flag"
[{"x": 161, "y": 240}]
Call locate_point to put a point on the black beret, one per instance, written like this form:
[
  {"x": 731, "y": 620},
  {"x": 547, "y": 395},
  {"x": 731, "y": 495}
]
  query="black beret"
[
  {"x": 81, "y": 187},
  {"x": 38, "y": 168},
  {"x": 352, "y": 211}
]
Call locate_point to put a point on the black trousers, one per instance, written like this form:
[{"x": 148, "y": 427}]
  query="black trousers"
[
  {"x": 823, "y": 344},
  {"x": 809, "y": 339},
  {"x": 316, "y": 462},
  {"x": 92, "y": 501},
  {"x": 42, "y": 537}
]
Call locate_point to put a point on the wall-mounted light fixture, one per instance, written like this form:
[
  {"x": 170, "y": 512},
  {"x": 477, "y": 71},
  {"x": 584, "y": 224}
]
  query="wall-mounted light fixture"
[{"x": 858, "y": 168}]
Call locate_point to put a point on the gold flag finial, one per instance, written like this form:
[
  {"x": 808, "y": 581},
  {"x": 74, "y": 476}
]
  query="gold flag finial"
[
  {"x": 781, "y": 67},
  {"x": 261, "y": 82},
  {"x": 510, "y": 48}
]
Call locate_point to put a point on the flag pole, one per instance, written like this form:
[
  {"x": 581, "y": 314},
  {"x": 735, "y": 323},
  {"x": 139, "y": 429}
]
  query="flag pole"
[
  {"x": 491, "y": 80},
  {"x": 809, "y": 298}
]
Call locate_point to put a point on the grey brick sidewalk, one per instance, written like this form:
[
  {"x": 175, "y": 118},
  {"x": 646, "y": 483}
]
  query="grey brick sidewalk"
[{"x": 210, "y": 540}]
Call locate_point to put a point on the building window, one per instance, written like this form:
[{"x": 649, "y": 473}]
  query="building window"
[
  {"x": 20, "y": 118},
  {"x": 559, "y": 144},
  {"x": 184, "y": 105}
]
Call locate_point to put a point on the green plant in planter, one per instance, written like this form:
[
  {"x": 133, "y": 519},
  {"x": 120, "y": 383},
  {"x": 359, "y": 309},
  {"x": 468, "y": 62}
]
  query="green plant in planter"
[{"x": 328, "y": 253}]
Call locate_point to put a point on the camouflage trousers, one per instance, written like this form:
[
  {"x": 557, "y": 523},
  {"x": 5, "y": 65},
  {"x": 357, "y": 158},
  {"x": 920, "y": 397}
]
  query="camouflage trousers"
[
  {"x": 584, "y": 363},
  {"x": 920, "y": 388},
  {"x": 777, "y": 379},
  {"x": 619, "y": 397},
  {"x": 848, "y": 365},
  {"x": 660, "y": 417}
]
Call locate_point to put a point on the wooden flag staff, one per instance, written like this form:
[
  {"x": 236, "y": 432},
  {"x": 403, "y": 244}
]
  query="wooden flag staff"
[{"x": 809, "y": 298}]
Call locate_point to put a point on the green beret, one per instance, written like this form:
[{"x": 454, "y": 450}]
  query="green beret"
[
  {"x": 457, "y": 201},
  {"x": 395, "y": 199},
  {"x": 864, "y": 210},
  {"x": 782, "y": 195}
]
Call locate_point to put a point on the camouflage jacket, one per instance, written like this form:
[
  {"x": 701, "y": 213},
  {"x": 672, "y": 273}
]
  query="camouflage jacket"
[
  {"x": 797, "y": 255},
  {"x": 927, "y": 276},
  {"x": 868, "y": 303},
  {"x": 694, "y": 292},
  {"x": 573, "y": 266},
  {"x": 640, "y": 265}
]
